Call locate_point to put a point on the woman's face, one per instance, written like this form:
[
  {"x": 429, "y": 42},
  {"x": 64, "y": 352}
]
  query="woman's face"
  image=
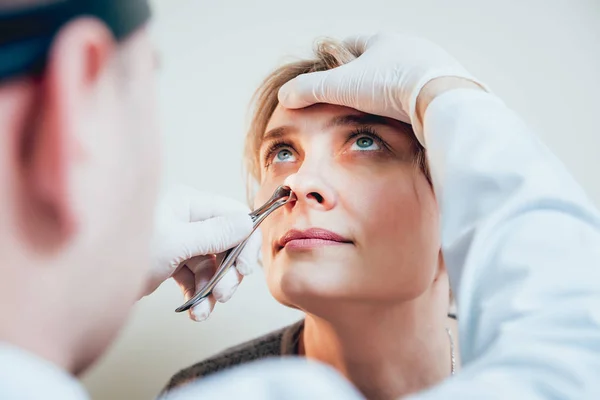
[{"x": 365, "y": 224}]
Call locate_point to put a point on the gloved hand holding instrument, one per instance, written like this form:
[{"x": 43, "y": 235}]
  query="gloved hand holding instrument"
[
  {"x": 192, "y": 227},
  {"x": 280, "y": 197}
]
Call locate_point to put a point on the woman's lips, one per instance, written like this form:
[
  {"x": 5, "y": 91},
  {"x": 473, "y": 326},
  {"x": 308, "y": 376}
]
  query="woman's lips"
[{"x": 309, "y": 239}]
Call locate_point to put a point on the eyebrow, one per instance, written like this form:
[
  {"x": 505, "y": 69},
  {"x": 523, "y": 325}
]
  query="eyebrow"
[
  {"x": 276, "y": 133},
  {"x": 337, "y": 121},
  {"x": 356, "y": 119}
]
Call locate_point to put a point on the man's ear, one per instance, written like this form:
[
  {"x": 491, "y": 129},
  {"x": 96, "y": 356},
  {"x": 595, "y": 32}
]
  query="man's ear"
[{"x": 51, "y": 145}]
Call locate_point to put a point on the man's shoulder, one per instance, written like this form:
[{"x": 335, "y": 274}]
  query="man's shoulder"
[{"x": 273, "y": 344}]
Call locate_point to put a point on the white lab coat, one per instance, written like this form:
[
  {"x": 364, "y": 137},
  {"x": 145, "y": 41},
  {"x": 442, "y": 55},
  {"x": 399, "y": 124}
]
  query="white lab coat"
[
  {"x": 25, "y": 376},
  {"x": 521, "y": 243}
]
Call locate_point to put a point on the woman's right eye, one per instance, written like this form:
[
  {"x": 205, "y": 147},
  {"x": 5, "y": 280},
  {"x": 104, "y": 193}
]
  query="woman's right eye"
[{"x": 284, "y": 155}]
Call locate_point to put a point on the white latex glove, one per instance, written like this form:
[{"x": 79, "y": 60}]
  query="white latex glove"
[
  {"x": 192, "y": 227},
  {"x": 385, "y": 80}
]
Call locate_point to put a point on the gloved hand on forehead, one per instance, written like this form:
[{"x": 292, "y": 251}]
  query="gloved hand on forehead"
[
  {"x": 193, "y": 227},
  {"x": 385, "y": 80}
]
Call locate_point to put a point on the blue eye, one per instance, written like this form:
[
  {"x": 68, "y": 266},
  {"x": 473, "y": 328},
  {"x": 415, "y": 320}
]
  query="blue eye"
[
  {"x": 284, "y": 155},
  {"x": 365, "y": 143}
]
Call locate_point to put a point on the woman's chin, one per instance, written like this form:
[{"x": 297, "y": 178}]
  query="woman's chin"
[
  {"x": 302, "y": 292},
  {"x": 301, "y": 281}
]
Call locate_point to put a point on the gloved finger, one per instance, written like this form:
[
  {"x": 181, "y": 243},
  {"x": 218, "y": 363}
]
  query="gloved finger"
[
  {"x": 205, "y": 267},
  {"x": 197, "y": 263},
  {"x": 201, "y": 311},
  {"x": 335, "y": 86},
  {"x": 186, "y": 281},
  {"x": 248, "y": 258},
  {"x": 304, "y": 90},
  {"x": 203, "y": 271},
  {"x": 215, "y": 235},
  {"x": 331, "y": 86},
  {"x": 227, "y": 286}
]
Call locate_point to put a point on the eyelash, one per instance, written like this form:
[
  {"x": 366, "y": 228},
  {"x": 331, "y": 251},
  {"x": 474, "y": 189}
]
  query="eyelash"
[
  {"x": 362, "y": 131},
  {"x": 367, "y": 131},
  {"x": 273, "y": 147}
]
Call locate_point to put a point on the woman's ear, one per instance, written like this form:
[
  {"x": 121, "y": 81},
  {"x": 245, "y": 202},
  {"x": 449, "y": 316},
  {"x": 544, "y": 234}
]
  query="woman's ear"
[{"x": 50, "y": 147}]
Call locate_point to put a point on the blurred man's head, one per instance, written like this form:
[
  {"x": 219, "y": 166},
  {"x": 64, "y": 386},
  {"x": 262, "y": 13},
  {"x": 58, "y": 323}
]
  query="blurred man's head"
[{"x": 78, "y": 175}]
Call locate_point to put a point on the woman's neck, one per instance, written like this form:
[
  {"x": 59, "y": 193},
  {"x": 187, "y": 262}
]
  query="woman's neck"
[{"x": 387, "y": 352}]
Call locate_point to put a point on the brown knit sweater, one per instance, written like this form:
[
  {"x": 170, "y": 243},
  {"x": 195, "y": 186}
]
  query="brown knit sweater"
[{"x": 283, "y": 342}]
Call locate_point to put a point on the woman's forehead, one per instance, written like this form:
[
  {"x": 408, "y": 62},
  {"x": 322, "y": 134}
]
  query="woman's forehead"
[
  {"x": 314, "y": 114},
  {"x": 323, "y": 117}
]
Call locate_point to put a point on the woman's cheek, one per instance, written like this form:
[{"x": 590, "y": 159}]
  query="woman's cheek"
[
  {"x": 272, "y": 178},
  {"x": 265, "y": 250},
  {"x": 265, "y": 191}
]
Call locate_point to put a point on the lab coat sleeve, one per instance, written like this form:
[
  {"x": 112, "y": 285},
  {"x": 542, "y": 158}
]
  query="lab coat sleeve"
[
  {"x": 273, "y": 379},
  {"x": 521, "y": 243}
]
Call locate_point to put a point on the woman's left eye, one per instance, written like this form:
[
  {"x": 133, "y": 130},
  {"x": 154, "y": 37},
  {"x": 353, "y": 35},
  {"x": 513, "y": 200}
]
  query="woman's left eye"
[
  {"x": 365, "y": 143},
  {"x": 284, "y": 155}
]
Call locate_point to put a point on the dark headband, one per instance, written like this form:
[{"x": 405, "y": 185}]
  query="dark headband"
[{"x": 26, "y": 34}]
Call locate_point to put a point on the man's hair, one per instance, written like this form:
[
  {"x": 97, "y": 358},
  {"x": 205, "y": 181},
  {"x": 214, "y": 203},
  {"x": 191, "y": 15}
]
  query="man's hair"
[
  {"x": 29, "y": 27},
  {"x": 328, "y": 54},
  {"x": 16, "y": 4}
]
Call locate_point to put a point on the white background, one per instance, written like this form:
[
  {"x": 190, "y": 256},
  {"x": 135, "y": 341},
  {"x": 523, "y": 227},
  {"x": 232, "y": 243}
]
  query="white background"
[{"x": 541, "y": 57}]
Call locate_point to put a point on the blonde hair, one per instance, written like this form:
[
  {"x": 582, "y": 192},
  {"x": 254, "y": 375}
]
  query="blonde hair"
[{"x": 328, "y": 54}]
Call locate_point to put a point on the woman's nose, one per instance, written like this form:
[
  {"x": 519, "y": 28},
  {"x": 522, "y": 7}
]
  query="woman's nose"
[{"x": 312, "y": 190}]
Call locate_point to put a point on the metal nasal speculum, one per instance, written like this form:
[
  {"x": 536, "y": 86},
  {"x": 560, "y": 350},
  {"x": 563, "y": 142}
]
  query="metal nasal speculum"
[{"x": 281, "y": 196}]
